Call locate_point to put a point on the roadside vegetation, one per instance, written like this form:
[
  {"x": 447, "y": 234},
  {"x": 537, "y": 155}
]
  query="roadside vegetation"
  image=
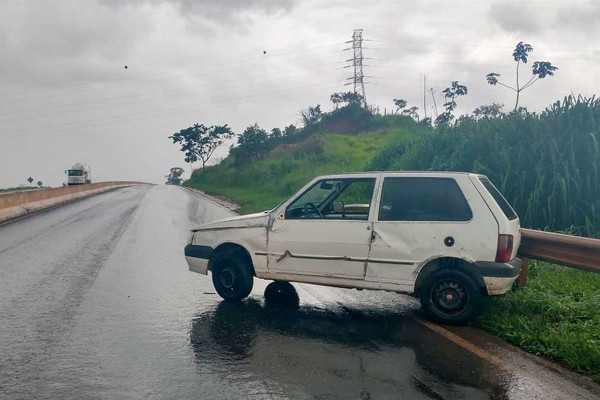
[
  {"x": 547, "y": 165},
  {"x": 19, "y": 188},
  {"x": 266, "y": 182},
  {"x": 557, "y": 315}
]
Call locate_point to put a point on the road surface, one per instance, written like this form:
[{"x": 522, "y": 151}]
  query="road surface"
[{"x": 96, "y": 302}]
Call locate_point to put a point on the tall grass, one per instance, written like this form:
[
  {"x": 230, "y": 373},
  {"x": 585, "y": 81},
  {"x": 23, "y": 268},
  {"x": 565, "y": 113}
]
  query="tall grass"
[{"x": 547, "y": 164}]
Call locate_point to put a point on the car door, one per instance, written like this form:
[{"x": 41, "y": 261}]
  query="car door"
[
  {"x": 423, "y": 217},
  {"x": 325, "y": 231}
]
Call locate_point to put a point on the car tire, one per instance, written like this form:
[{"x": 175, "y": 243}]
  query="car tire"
[
  {"x": 281, "y": 293},
  {"x": 232, "y": 278},
  {"x": 450, "y": 297}
]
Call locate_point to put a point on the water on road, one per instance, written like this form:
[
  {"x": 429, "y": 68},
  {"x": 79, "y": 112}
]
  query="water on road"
[{"x": 96, "y": 302}]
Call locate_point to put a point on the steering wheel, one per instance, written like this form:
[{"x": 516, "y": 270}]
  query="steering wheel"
[{"x": 312, "y": 206}]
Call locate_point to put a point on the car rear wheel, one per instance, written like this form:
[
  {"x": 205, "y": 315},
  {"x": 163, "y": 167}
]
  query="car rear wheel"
[
  {"x": 232, "y": 278},
  {"x": 281, "y": 293},
  {"x": 450, "y": 297}
]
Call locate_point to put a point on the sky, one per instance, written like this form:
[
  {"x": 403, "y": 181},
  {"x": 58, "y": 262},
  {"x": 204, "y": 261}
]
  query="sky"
[{"x": 66, "y": 96}]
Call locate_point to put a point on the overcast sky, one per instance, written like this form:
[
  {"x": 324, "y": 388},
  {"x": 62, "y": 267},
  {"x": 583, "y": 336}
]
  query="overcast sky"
[{"x": 66, "y": 95}]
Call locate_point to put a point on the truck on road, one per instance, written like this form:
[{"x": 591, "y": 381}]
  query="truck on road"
[{"x": 79, "y": 174}]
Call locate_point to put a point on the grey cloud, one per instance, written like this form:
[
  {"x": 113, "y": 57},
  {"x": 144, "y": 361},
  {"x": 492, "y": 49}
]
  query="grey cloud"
[
  {"x": 516, "y": 17},
  {"x": 58, "y": 42},
  {"x": 218, "y": 10},
  {"x": 581, "y": 17},
  {"x": 224, "y": 10}
]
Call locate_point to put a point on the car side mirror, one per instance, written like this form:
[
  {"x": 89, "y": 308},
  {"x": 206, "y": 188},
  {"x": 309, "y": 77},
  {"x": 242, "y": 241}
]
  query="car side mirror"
[
  {"x": 338, "y": 206},
  {"x": 326, "y": 185}
]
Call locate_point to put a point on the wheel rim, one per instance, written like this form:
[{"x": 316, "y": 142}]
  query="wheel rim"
[
  {"x": 449, "y": 297},
  {"x": 227, "y": 278}
]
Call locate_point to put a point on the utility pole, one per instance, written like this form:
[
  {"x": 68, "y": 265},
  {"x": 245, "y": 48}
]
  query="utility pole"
[
  {"x": 425, "y": 94},
  {"x": 357, "y": 64}
]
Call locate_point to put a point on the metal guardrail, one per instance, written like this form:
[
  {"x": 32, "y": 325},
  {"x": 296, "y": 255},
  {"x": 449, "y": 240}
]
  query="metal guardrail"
[{"x": 573, "y": 251}]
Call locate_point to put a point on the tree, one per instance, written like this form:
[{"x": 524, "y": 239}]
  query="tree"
[
  {"x": 488, "y": 111},
  {"x": 450, "y": 94},
  {"x": 40, "y": 183},
  {"x": 252, "y": 142},
  {"x": 276, "y": 134},
  {"x": 312, "y": 115},
  {"x": 290, "y": 130},
  {"x": 400, "y": 104},
  {"x": 540, "y": 70},
  {"x": 411, "y": 112},
  {"x": 174, "y": 177},
  {"x": 199, "y": 142},
  {"x": 336, "y": 99},
  {"x": 348, "y": 98}
]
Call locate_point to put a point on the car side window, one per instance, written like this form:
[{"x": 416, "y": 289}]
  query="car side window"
[
  {"x": 423, "y": 199},
  {"x": 344, "y": 199}
]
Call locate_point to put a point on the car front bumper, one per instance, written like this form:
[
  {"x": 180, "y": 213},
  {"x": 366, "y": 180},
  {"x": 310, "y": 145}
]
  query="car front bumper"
[{"x": 197, "y": 258}]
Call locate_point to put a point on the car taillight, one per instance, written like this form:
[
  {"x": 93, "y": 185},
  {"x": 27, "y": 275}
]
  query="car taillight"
[{"x": 504, "y": 250}]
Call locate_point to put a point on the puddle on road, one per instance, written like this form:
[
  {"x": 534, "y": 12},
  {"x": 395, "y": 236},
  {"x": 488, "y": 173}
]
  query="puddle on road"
[{"x": 298, "y": 352}]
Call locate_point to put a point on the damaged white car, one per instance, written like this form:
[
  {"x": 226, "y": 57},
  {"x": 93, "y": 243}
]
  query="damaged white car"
[{"x": 450, "y": 238}]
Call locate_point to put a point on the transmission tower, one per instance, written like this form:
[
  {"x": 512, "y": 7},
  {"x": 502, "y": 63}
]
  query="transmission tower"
[{"x": 357, "y": 64}]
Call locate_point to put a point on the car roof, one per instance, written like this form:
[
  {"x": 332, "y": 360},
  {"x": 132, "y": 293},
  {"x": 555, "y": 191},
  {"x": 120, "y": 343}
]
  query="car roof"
[{"x": 437, "y": 173}]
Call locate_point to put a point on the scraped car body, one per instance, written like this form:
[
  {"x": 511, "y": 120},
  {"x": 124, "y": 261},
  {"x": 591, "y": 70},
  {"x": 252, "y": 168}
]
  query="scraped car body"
[{"x": 379, "y": 230}]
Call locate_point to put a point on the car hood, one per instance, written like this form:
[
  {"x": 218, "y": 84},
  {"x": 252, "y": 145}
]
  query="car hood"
[{"x": 242, "y": 221}]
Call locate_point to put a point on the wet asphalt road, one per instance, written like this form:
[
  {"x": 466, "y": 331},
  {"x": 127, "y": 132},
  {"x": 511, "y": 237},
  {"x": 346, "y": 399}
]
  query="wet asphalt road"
[{"x": 96, "y": 302}]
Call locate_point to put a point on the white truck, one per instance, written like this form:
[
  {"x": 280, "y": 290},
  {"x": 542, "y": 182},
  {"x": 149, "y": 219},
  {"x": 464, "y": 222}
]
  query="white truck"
[
  {"x": 448, "y": 238},
  {"x": 79, "y": 174}
]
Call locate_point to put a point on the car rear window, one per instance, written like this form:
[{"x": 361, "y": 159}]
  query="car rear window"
[
  {"x": 504, "y": 206},
  {"x": 423, "y": 199}
]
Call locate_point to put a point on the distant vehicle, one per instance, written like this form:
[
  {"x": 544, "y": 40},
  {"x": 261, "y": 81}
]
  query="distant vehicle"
[
  {"x": 449, "y": 238},
  {"x": 79, "y": 174}
]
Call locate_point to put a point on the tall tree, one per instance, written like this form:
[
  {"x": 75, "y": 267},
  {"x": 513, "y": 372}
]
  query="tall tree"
[
  {"x": 276, "y": 134},
  {"x": 312, "y": 115},
  {"x": 174, "y": 177},
  {"x": 411, "y": 112},
  {"x": 348, "y": 98},
  {"x": 400, "y": 104},
  {"x": 540, "y": 70},
  {"x": 290, "y": 130},
  {"x": 488, "y": 111},
  {"x": 199, "y": 142},
  {"x": 253, "y": 142},
  {"x": 450, "y": 94}
]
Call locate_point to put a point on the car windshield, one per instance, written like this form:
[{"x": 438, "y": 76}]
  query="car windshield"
[
  {"x": 334, "y": 198},
  {"x": 75, "y": 172}
]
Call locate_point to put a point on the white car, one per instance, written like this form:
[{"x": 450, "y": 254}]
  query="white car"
[{"x": 448, "y": 237}]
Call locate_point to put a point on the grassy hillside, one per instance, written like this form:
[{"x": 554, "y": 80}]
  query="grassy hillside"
[{"x": 260, "y": 184}]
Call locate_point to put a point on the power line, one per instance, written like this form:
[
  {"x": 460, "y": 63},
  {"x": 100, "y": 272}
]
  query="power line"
[
  {"x": 159, "y": 113},
  {"x": 215, "y": 67},
  {"x": 176, "y": 93}
]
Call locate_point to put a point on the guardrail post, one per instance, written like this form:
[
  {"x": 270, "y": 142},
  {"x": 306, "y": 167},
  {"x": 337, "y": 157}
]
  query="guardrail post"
[{"x": 522, "y": 280}]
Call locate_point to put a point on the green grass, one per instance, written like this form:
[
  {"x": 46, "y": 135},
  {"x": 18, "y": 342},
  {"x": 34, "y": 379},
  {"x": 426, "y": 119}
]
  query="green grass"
[
  {"x": 261, "y": 184},
  {"x": 556, "y": 316}
]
